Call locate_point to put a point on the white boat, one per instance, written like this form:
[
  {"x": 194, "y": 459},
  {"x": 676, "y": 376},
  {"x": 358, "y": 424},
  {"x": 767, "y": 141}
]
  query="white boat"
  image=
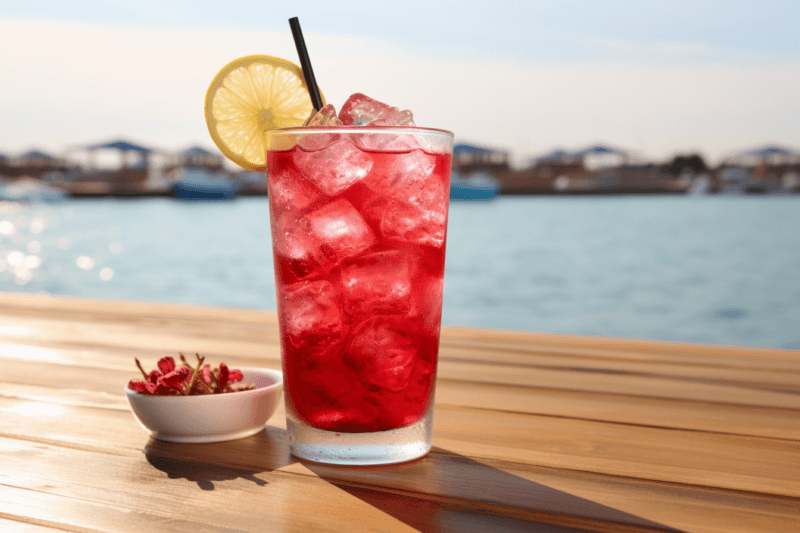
[
  {"x": 699, "y": 185},
  {"x": 29, "y": 190}
]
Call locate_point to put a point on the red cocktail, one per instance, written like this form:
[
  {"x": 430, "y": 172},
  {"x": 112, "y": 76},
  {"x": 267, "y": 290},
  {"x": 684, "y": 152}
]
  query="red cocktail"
[{"x": 359, "y": 219}]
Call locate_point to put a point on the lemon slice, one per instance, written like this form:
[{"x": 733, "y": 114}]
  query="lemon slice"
[{"x": 250, "y": 96}]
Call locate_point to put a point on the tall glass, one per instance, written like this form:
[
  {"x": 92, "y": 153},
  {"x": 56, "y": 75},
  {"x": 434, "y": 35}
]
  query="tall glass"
[{"x": 359, "y": 222}]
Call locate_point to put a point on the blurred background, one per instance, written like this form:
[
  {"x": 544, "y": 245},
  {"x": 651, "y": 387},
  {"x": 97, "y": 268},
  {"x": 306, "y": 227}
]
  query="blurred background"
[{"x": 622, "y": 168}]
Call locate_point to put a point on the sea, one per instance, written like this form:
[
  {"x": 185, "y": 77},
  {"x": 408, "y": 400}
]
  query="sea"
[{"x": 701, "y": 269}]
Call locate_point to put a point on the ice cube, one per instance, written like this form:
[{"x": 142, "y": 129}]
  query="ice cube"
[
  {"x": 324, "y": 117},
  {"x": 311, "y": 307},
  {"x": 382, "y": 353},
  {"x": 377, "y": 283},
  {"x": 393, "y": 116},
  {"x": 414, "y": 203},
  {"x": 428, "y": 302},
  {"x": 429, "y": 193},
  {"x": 295, "y": 248},
  {"x": 361, "y": 110},
  {"x": 312, "y": 318},
  {"x": 289, "y": 192},
  {"x": 418, "y": 390},
  {"x": 290, "y": 196},
  {"x": 317, "y": 141},
  {"x": 338, "y": 230},
  {"x": 388, "y": 143},
  {"x": 408, "y": 222},
  {"x": 401, "y": 171},
  {"x": 334, "y": 169},
  {"x": 320, "y": 238}
]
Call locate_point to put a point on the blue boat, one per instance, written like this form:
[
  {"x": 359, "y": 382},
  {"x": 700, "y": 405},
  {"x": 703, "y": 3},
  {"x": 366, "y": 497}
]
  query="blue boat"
[
  {"x": 478, "y": 186},
  {"x": 202, "y": 184}
]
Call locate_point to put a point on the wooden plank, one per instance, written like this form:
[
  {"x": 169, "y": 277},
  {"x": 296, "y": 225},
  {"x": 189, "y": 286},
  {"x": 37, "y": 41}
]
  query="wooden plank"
[
  {"x": 633, "y": 385},
  {"x": 719, "y": 417},
  {"x": 694, "y": 458},
  {"x": 569, "y": 357},
  {"x": 740, "y": 383},
  {"x": 147, "y": 314},
  {"x": 13, "y": 526},
  {"x": 634, "y": 348},
  {"x": 36, "y": 305},
  {"x": 781, "y": 378},
  {"x": 171, "y": 483},
  {"x": 625, "y": 409},
  {"x": 171, "y": 339},
  {"x": 638, "y": 452},
  {"x": 36, "y": 360}
]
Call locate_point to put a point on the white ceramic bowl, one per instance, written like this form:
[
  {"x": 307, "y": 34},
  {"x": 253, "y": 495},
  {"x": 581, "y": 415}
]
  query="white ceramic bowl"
[{"x": 210, "y": 417}]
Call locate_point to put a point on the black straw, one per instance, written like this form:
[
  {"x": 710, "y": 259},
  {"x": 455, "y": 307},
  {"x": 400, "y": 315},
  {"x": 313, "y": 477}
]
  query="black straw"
[{"x": 305, "y": 63}]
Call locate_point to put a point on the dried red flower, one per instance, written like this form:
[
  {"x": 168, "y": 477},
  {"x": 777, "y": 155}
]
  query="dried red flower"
[
  {"x": 170, "y": 379},
  {"x": 222, "y": 380},
  {"x": 166, "y": 364},
  {"x": 138, "y": 386},
  {"x": 177, "y": 380}
]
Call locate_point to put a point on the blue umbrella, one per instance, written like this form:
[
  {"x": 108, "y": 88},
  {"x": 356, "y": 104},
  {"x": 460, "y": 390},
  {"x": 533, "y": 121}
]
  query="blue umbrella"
[
  {"x": 36, "y": 154},
  {"x": 472, "y": 149},
  {"x": 769, "y": 150},
  {"x": 124, "y": 146},
  {"x": 599, "y": 149},
  {"x": 555, "y": 155}
]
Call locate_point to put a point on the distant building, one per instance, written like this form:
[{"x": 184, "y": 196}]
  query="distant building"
[
  {"x": 33, "y": 164},
  {"x": 597, "y": 169},
  {"x": 6, "y": 170},
  {"x": 128, "y": 175},
  {"x": 769, "y": 168},
  {"x": 193, "y": 158}
]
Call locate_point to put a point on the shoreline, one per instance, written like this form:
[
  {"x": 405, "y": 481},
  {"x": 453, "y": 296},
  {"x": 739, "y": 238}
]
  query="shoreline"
[{"x": 123, "y": 195}]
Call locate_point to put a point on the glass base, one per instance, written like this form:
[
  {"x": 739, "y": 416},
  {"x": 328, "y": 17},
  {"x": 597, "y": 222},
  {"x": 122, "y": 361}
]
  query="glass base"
[{"x": 376, "y": 448}]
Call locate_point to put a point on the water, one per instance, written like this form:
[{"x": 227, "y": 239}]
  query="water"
[{"x": 719, "y": 270}]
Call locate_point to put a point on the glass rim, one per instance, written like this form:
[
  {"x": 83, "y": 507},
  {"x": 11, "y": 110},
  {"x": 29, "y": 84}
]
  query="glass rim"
[{"x": 411, "y": 130}]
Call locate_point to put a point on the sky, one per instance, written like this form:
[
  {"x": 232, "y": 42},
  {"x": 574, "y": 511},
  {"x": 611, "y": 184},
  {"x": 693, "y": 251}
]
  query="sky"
[{"x": 655, "y": 78}]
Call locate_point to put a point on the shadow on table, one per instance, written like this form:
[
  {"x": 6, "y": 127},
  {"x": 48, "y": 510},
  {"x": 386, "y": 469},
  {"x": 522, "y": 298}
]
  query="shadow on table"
[
  {"x": 442, "y": 491},
  {"x": 206, "y": 464}
]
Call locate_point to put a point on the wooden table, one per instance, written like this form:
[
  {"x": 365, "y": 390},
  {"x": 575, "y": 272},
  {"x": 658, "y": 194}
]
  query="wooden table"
[{"x": 531, "y": 433}]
